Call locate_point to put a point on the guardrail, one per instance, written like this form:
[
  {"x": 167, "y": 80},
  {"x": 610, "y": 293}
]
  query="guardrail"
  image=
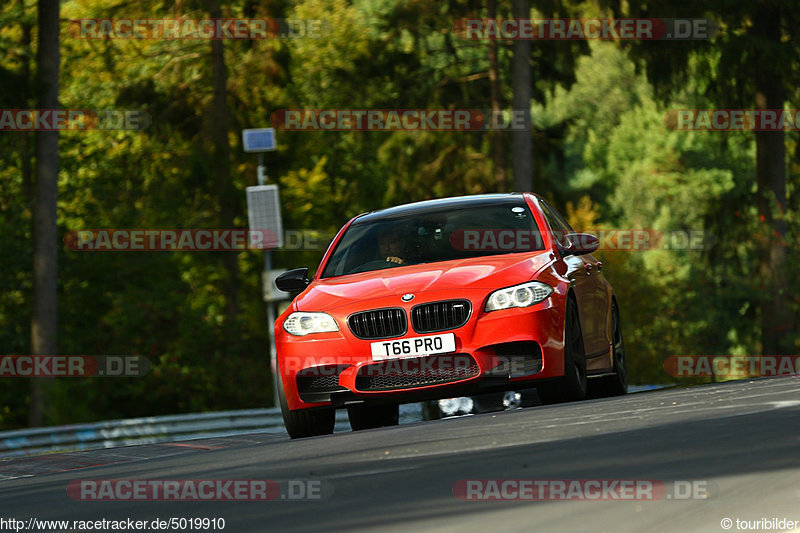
[
  {"x": 171, "y": 428},
  {"x": 132, "y": 431},
  {"x": 155, "y": 429}
]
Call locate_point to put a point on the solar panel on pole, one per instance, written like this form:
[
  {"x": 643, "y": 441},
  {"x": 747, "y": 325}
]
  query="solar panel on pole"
[{"x": 264, "y": 216}]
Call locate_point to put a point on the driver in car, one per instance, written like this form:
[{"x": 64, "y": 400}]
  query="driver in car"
[{"x": 390, "y": 246}]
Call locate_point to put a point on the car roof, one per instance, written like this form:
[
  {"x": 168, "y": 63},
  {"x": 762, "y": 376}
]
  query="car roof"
[{"x": 432, "y": 206}]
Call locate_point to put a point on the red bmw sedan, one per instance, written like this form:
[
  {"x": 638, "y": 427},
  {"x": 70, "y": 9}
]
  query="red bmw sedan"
[{"x": 443, "y": 298}]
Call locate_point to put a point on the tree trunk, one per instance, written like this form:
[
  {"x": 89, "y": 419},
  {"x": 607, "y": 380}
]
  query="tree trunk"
[
  {"x": 521, "y": 84},
  {"x": 220, "y": 125},
  {"x": 44, "y": 321},
  {"x": 776, "y": 313},
  {"x": 27, "y": 142},
  {"x": 498, "y": 150}
]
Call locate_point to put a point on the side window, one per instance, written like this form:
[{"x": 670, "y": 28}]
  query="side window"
[
  {"x": 558, "y": 225},
  {"x": 561, "y": 219}
]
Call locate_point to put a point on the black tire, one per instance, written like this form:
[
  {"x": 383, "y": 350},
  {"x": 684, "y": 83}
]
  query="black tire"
[
  {"x": 616, "y": 385},
  {"x": 305, "y": 422},
  {"x": 372, "y": 416},
  {"x": 572, "y": 386}
]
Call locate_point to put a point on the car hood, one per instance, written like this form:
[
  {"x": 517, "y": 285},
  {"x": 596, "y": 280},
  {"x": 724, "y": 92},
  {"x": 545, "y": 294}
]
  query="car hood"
[{"x": 491, "y": 272}]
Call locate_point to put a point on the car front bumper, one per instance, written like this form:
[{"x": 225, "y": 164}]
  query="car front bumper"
[{"x": 494, "y": 351}]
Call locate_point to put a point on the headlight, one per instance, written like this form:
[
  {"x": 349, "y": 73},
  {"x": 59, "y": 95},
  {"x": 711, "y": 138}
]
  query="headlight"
[
  {"x": 300, "y": 323},
  {"x": 523, "y": 295}
]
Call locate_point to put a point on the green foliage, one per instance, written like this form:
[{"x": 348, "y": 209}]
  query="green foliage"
[
  {"x": 600, "y": 134},
  {"x": 646, "y": 176}
]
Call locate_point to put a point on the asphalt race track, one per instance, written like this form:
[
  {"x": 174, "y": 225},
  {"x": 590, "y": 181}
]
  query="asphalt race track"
[{"x": 739, "y": 440}]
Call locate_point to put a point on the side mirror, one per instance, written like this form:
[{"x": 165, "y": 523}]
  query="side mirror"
[
  {"x": 293, "y": 281},
  {"x": 580, "y": 244}
]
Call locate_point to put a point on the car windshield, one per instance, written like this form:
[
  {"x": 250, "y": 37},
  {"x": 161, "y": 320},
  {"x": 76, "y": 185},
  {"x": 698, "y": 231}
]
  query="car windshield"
[{"x": 413, "y": 236}]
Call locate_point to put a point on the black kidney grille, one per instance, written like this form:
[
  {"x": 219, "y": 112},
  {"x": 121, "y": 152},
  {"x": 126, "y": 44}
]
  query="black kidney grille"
[
  {"x": 440, "y": 316},
  {"x": 378, "y": 323}
]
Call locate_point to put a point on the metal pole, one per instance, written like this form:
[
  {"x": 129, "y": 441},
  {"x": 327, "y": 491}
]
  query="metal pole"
[
  {"x": 262, "y": 171},
  {"x": 271, "y": 321},
  {"x": 262, "y": 178}
]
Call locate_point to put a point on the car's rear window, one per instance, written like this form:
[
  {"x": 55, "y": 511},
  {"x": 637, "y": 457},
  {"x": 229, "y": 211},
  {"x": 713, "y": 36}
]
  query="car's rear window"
[{"x": 455, "y": 232}]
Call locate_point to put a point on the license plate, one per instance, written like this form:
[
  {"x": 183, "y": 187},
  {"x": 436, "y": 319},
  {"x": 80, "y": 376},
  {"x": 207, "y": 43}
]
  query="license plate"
[{"x": 414, "y": 346}]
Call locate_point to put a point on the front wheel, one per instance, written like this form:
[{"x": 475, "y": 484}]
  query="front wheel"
[
  {"x": 572, "y": 385},
  {"x": 305, "y": 422},
  {"x": 372, "y": 416}
]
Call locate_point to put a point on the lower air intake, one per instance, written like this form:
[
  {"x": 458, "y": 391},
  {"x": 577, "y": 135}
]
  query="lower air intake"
[
  {"x": 316, "y": 383},
  {"x": 398, "y": 374}
]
